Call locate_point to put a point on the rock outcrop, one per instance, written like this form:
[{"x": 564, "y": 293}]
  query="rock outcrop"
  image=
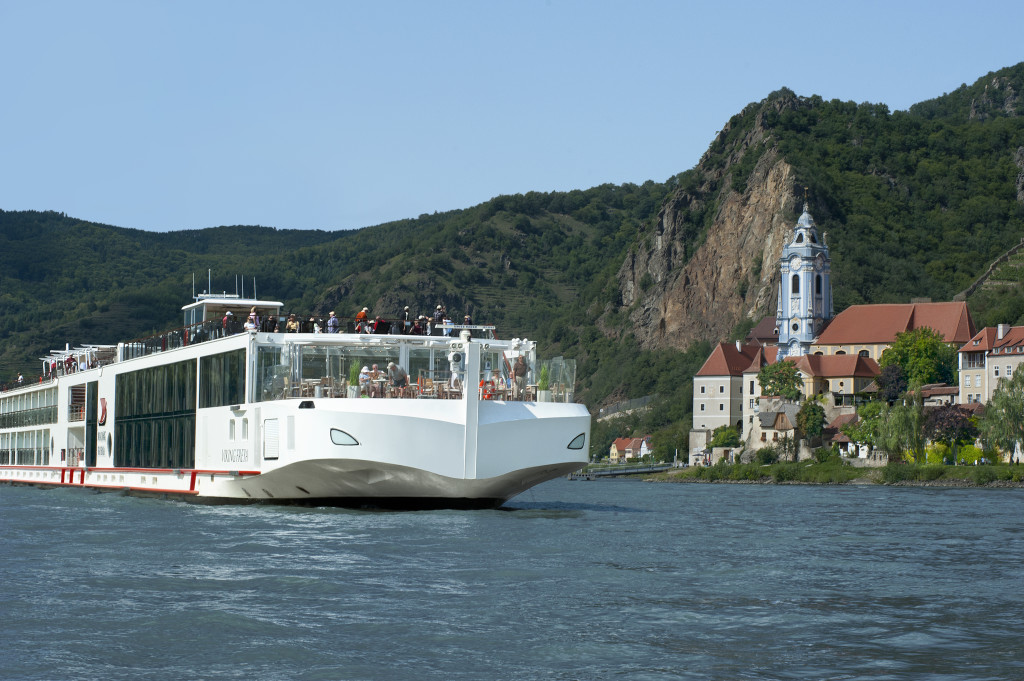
[{"x": 731, "y": 272}]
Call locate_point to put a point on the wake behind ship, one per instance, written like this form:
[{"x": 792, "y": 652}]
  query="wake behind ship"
[{"x": 211, "y": 413}]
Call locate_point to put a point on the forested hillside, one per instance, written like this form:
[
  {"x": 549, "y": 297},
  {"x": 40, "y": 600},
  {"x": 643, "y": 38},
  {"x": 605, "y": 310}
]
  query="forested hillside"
[{"x": 916, "y": 204}]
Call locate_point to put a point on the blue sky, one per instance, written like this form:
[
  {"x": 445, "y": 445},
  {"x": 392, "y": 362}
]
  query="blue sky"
[{"x": 337, "y": 115}]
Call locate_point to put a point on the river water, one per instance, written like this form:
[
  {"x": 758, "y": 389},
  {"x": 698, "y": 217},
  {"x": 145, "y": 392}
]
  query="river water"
[{"x": 608, "y": 579}]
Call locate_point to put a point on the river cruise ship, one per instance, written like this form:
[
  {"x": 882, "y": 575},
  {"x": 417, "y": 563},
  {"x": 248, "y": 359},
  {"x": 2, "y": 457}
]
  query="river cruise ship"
[{"x": 218, "y": 413}]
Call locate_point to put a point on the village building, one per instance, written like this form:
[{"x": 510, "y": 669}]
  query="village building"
[
  {"x": 624, "y": 448},
  {"x": 992, "y": 355},
  {"x": 868, "y": 330},
  {"x": 718, "y": 391},
  {"x": 837, "y": 355},
  {"x": 844, "y": 376}
]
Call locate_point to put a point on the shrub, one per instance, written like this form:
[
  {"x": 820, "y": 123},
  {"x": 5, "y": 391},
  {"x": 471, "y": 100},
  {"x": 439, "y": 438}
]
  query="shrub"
[
  {"x": 766, "y": 455},
  {"x": 937, "y": 453},
  {"x": 969, "y": 454},
  {"x": 784, "y": 472},
  {"x": 826, "y": 454},
  {"x": 896, "y": 472},
  {"x": 982, "y": 475}
]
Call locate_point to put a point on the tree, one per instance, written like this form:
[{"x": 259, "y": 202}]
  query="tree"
[
  {"x": 864, "y": 431},
  {"x": 949, "y": 423},
  {"x": 810, "y": 420},
  {"x": 781, "y": 378},
  {"x": 924, "y": 356},
  {"x": 1003, "y": 422},
  {"x": 901, "y": 429},
  {"x": 725, "y": 436},
  {"x": 892, "y": 383}
]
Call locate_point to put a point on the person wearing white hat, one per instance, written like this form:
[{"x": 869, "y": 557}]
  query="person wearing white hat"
[
  {"x": 364, "y": 380},
  {"x": 361, "y": 321},
  {"x": 405, "y": 319},
  {"x": 333, "y": 324}
]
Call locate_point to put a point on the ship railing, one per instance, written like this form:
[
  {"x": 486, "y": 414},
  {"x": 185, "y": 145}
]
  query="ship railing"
[
  {"x": 216, "y": 328},
  {"x": 29, "y": 417},
  {"x": 25, "y": 456}
]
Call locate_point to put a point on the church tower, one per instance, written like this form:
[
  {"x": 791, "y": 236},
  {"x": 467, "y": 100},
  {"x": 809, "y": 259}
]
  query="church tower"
[{"x": 805, "y": 291}]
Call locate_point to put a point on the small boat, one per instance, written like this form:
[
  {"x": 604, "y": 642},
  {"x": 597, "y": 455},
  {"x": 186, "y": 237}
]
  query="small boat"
[{"x": 217, "y": 412}]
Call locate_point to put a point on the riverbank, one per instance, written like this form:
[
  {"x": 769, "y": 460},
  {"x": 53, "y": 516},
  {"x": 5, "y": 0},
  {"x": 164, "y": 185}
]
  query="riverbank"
[{"x": 839, "y": 473}]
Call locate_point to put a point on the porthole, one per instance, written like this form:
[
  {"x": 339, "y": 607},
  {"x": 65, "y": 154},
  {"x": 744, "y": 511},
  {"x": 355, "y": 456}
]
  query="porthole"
[{"x": 340, "y": 437}]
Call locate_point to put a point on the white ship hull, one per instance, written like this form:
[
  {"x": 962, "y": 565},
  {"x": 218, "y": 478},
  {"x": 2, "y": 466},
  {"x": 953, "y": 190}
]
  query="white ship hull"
[{"x": 416, "y": 452}]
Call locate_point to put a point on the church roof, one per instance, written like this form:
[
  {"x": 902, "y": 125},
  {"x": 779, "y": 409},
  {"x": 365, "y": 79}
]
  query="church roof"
[
  {"x": 765, "y": 333},
  {"x": 870, "y": 324},
  {"x": 838, "y": 366}
]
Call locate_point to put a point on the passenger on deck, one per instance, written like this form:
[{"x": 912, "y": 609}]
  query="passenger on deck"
[
  {"x": 292, "y": 325},
  {"x": 417, "y": 328},
  {"x": 333, "y": 323},
  {"x": 364, "y": 381},
  {"x": 399, "y": 377},
  {"x": 363, "y": 321},
  {"x": 376, "y": 381},
  {"x": 227, "y": 323},
  {"x": 438, "y": 320},
  {"x": 519, "y": 371},
  {"x": 381, "y": 326},
  {"x": 405, "y": 321},
  {"x": 252, "y": 322}
]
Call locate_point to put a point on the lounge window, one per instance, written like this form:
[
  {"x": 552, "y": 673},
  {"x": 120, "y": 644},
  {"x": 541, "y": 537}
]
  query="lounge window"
[{"x": 222, "y": 379}]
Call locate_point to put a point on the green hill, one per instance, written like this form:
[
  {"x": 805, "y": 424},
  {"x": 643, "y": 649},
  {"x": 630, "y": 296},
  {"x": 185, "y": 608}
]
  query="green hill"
[{"x": 917, "y": 204}]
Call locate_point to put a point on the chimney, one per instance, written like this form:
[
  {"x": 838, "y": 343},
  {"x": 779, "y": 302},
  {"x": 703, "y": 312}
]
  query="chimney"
[{"x": 1001, "y": 331}]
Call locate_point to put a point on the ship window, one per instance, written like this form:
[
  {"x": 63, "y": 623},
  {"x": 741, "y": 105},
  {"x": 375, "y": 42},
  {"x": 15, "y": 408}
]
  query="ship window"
[
  {"x": 340, "y": 437},
  {"x": 578, "y": 441},
  {"x": 222, "y": 379},
  {"x": 155, "y": 416}
]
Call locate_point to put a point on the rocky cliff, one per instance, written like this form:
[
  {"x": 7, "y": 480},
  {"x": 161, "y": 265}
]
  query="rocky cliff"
[{"x": 682, "y": 285}]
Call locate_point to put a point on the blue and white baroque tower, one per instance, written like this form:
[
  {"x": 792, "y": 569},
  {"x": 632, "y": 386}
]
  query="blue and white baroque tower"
[{"x": 805, "y": 291}]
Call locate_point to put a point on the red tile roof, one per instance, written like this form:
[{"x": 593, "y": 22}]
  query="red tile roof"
[
  {"x": 727, "y": 360},
  {"x": 765, "y": 333},
  {"x": 838, "y": 366},
  {"x": 870, "y": 324},
  {"x": 984, "y": 340},
  {"x": 763, "y": 357},
  {"x": 621, "y": 443}
]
